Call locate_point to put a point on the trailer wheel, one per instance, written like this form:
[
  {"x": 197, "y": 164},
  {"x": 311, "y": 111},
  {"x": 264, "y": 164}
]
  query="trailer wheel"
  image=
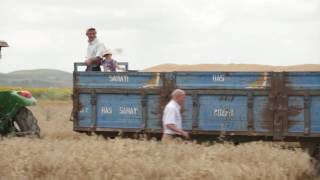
[
  {"x": 26, "y": 124},
  {"x": 312, "y": 148}
]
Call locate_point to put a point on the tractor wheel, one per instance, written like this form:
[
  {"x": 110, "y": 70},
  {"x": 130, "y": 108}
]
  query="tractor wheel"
[{"x": 27, "y": 123}]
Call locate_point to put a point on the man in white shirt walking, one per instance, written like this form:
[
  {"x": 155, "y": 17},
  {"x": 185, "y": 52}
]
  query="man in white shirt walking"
[
  {"x": 94, "y": 51},
  {"x": 172, "y": 121}
]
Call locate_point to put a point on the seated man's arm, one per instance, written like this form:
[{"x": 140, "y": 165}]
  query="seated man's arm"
[{"x": 93, "y": 60}]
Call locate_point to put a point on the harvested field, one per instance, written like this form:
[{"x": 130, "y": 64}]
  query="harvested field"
[{"x": 63, "y": 154}]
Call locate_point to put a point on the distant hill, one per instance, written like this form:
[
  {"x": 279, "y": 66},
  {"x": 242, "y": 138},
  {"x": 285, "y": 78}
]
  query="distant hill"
[
  {"x": 37, "y": 78},
  {"x": 231, "y": 67}
]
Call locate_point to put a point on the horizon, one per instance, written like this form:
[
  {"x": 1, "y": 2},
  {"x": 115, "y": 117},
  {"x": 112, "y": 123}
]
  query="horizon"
[{"x": 168, "y": 64}]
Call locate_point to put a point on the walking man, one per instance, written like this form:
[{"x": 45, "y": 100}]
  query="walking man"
[{"x": 172, "y": 121}]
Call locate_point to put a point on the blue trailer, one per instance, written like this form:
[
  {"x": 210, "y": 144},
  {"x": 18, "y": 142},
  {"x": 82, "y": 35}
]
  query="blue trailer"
[{"x": 240, "y": 105}]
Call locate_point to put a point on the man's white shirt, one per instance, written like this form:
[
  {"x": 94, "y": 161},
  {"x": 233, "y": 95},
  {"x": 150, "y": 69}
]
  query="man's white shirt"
[
  {"x": 171, "y": 115},
  {"x": 95, "y": 49}
]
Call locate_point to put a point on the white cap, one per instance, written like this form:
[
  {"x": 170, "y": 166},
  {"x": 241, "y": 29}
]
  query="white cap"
[{"x": 107, "y": 51}]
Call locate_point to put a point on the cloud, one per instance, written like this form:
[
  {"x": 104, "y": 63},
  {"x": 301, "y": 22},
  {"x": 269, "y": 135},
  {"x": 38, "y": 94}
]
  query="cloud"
[{"x": 50, "y": 34}]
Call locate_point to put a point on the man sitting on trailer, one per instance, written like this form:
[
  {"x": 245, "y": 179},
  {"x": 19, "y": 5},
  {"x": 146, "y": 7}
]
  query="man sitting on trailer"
[
  {"x": 94, "y": 51},
  {"x": 172, "y": 121}
]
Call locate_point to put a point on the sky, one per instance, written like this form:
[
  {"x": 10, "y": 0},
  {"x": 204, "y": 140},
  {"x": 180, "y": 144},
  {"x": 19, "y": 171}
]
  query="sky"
[{"x": 51, "y": 33}]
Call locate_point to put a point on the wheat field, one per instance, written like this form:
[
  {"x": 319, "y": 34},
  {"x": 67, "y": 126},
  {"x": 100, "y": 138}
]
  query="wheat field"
[
  {"x": 43, "y": 93},
  {"x": 64, "y": 154}
]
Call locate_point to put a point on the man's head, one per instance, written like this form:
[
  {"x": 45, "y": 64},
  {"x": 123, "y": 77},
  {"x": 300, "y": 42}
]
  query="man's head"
[
  {"x": 91, "y": 33},
  {"x": 179, "y": 96}
]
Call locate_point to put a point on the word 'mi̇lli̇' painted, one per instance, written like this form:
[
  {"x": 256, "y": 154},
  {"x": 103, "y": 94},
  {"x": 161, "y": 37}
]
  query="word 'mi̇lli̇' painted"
[
  {"x": 118, "y": 78},
  {"x": 218, "y": 77},
  {"x": 223, "y": 112},
  {"x": 122, "y": 110}
]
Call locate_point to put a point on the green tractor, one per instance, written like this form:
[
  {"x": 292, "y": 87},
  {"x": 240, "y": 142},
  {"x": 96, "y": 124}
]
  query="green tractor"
[{"x": 15, "y": 118}]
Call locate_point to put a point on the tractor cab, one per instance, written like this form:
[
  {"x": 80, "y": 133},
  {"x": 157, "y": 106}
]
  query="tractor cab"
[{"x": 3, "y": 44}]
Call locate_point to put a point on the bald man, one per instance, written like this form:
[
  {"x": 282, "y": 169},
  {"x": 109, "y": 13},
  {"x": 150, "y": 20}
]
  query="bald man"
[{"x": 172, "y": 121}]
